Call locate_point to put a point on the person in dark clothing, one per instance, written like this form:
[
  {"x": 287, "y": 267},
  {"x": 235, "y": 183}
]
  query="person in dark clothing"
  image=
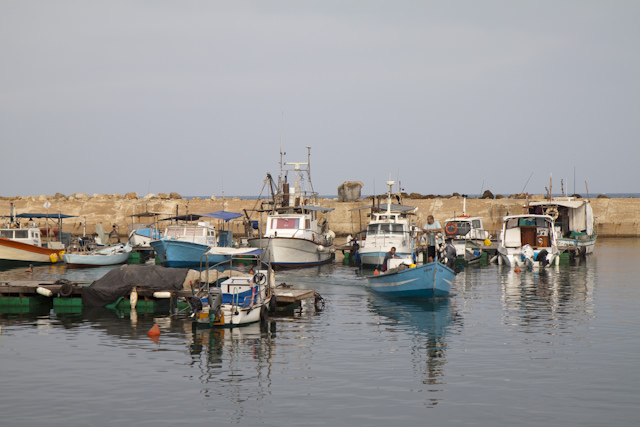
[{"x": 388, "y": 256}]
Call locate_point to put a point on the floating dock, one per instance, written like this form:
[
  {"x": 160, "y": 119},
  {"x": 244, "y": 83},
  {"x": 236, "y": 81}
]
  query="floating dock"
[{"x": 21, "y": 296}]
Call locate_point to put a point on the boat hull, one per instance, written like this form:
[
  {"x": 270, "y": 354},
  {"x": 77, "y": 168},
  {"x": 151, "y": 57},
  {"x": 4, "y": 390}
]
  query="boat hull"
[
  {"x": 289, "y": 252},
  {"x": 432, "y": 280},
  {"x": 375, "y": 258},
  {"x": 177, "y": 253},
  {"x": 11, "y": 250},
  {"x": 100, "y": 258}
]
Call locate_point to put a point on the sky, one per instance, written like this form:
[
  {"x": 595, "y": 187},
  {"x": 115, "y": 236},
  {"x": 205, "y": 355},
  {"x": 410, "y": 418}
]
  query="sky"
[{"x": 197, "y": 97}]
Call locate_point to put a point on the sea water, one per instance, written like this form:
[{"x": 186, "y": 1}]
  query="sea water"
[{"x": 551, "y": 347}]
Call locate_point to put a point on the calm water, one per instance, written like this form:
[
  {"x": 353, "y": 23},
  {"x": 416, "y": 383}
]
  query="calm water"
[{"x": 554, "y": 348}]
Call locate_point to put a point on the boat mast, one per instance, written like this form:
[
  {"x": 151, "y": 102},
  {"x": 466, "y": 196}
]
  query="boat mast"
[{"x": 390, "y": 184}]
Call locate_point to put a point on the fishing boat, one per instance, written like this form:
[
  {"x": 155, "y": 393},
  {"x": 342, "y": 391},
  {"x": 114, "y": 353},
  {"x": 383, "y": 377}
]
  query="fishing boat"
[
  {"x": 406, "y": 280},
  {"x": 110, "y": 255},
  {"x": 527, "y": 240},
  {"x": 575, "y": 224},
  {"x": 294, "y": 236},
  {"x": 468, "y": 236},
  {"x": 23, "y": 243},
  {"x": 390, "y": 226},
  {"x": 238, "y": 298},
  {"x": 183, "y": 245},
  {"x": 144, "y": 229}
]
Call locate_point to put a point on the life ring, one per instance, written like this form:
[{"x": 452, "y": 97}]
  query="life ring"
[
  {"x": 259, "y": 279},
  {"x": 552, "y": 212},
  {"x": 451, "y": 228}
]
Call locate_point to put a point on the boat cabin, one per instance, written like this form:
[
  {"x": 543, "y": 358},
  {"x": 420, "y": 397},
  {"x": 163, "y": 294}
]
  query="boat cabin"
[
  {"x": 30, "y": 236},
  {"x": 536, "y": 231},
  {"x": 465, "y": 228},
  {"x": 203, "y": 233}
]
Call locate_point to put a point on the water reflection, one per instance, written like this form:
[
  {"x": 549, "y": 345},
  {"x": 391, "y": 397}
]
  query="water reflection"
[
  {"x": 234, "y": 362},
  {"x": 548, "y": 300},
  {"x": 427, "y": 324}
]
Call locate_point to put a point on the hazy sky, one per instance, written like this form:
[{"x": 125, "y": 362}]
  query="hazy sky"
[{"x": 195, "y": 96}]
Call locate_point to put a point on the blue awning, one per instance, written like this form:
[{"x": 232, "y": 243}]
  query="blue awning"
[
  {"x": 42, "y": 215},
  {"x": 225, "y": 215}
]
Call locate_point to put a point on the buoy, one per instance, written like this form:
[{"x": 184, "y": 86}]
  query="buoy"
[
  {"x": 30, "y": 269},
  {"x": 154, "y": 331},
  {"x": 133, "y": 297},
  {"x": 376, "y": 272},
  {"x": 44, "y": 291},
  {"x": 487, "y": 242},
  {"x": 517, "y": 270},
  {"x": 162, "y": 294}
]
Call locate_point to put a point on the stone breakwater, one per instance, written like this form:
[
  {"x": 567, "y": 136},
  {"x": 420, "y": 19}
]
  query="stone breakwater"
[{"x": 615, "y": 217}]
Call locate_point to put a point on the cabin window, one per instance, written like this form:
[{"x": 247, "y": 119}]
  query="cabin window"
[
  {"x": 396, "y": 229},
  {"x": 540, "y": 222},
  {"x": 22, "y": 234},
  {"x": 476, "y": 223},
  {"x": 463, "y": 228},
  {"x": 7, "y": 234},
  {"x": 307, "y": 223},
  {"x": 285, "y": 223},
  {"x": 512, "y": 223},
  {"x": 372, "y": 229},
  {"x": 385, "y": 228},
  {"x": 527, "y": 222}
]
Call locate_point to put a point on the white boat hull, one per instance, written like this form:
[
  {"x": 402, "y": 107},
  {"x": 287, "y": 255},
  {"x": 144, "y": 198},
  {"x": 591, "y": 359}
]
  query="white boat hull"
[
  {"x": 107, "y": 256},
  {"x": 292, "y": 252},
  {"x": 16, "y": 251}
]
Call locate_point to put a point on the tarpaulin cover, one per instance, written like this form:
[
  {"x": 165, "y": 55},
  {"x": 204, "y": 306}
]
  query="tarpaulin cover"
[{"x": 119, "y": 282}]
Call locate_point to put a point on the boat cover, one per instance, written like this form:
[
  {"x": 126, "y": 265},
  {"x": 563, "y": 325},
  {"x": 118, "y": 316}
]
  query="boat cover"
[{"x": 119, "y": 282}]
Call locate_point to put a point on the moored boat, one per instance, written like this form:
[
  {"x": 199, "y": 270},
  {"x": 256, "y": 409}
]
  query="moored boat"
[
  {"x": 294, "y": 236},
  {"x": 527, "y": 240},
  {"x": 240, "y": 298},
  {"x": 574, "y": 223},
  {"x": 390, "y": 226},
  {"x": 24, "y": 244},
  {"x": 110, "y": 255}
]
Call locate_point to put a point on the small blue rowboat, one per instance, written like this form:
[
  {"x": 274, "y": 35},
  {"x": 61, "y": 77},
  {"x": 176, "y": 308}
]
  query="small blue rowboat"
[{"x": 432, "y": 280}]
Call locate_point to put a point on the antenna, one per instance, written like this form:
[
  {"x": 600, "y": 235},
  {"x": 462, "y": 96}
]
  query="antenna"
[{"x": 526, "y": 183}]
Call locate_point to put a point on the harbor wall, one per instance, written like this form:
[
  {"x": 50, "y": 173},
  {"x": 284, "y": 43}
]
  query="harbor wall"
[{"x": 616, "y": 217}]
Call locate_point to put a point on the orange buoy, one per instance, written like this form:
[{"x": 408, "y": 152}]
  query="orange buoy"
[
  {"x": 154, "y": 331},
  {"x": 376, "y": 272},
  {"x": 517, "y": 270}
]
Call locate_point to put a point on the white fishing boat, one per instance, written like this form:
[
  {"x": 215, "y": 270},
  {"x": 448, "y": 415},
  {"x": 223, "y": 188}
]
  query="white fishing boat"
[
  {"x": 293, "y": 234},
  {"x": 468, "y": 236},
  {"x": 574, "y": 221},
  {"x": 239, "y": 298},
  {"x": 527, "y": 240},
  {"x": 389, "y": 227},
  {"x": 23, "y": 243},
  {"x": 110, "y": 255}
]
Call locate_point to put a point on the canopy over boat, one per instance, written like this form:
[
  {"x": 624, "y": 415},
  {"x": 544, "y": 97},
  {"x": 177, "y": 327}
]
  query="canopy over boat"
[
  {"x": 224, "y": 215},
  {"x": 40, "y": 215}
]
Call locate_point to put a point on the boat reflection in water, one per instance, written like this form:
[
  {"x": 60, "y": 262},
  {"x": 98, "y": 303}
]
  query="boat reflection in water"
[
  {"x": 426, "y": 323},
  {"x": 221, "y": 357},
  {"x": 548, "y": 300}
]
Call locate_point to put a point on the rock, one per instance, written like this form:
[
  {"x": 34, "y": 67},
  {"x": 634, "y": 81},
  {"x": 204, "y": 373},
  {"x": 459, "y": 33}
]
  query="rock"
[
  {"x": 349, "y": 191},
  {"x": 149, "y": 196},
  {"x": 80, "y": 196},
  {"x": 602, "y": 196},
  {"x": 173, "y": 195},
  {"x": 415, "y": 196},
  {"x": 60, "y": 196},
  {"x": 101, "y": 197},
  {"x": 487, "y": 195},
  {"x": 163, "y": 196},
  {"x": 131, "y": 196}
]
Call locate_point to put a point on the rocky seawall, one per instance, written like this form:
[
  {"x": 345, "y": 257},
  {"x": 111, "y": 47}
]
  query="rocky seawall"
[{"x": 615, "y": 217}]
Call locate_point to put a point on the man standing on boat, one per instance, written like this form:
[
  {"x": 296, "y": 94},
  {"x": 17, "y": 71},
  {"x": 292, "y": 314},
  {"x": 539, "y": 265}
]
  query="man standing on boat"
[
  {"x": 388, "y": 256},
  {"x": 432, "y": 227}
]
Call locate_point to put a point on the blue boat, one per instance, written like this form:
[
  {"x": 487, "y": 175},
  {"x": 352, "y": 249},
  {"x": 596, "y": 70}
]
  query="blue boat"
[
  {"x": 183, "y": 245},
  {"x": 432, "y": 280}
]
